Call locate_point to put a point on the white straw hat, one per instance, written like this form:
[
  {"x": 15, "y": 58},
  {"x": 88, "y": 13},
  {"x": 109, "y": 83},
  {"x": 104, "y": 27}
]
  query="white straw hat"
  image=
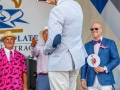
[
  {"x": 8, "y": 34},
  {"x": 41, "y": 32}
]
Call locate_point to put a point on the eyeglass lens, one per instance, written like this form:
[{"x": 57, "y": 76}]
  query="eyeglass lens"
[{"x": 93, "y": 29}]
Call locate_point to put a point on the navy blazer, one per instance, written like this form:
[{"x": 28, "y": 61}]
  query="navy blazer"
[{"x": 109, "y": 57}]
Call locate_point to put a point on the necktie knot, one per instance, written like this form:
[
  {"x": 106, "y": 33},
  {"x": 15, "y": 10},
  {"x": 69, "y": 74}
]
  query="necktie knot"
[
  {"x": 95, "y": 42},
  {"x": 10, "y": 52}
]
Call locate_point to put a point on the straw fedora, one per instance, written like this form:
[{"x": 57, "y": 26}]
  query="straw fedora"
[
  {"x": 41, "y": 32},
  {"x": 8, "y": 34}
]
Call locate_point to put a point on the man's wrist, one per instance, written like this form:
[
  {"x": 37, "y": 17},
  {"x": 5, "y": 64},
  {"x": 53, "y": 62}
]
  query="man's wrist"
[
  {"x": 32, "y": 45},
  {"x": 83, "y": 80},
  {"x": 25, "y": 85},
  {"x": 104, "y": 68}
]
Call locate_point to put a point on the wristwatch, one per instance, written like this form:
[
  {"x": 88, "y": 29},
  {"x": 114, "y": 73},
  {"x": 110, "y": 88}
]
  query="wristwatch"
[{"x": 104, "y": 68}]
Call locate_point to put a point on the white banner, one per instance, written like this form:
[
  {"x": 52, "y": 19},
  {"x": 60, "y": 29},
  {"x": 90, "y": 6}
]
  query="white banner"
[{"x": 26, "y": 18}]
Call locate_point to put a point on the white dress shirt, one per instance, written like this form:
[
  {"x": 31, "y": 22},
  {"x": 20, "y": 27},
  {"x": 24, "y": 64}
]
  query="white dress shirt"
[
  {"x": 7, "y": 52},
  {"x": 96, "y": 50},
  {"x": 97, "y": 46}
]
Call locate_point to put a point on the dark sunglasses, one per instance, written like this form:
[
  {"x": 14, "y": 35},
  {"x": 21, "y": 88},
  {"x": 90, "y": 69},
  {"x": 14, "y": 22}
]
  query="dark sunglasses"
[{"x": 93, "y": 29}]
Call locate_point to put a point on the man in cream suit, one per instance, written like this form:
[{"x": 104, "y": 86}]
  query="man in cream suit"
[{"x": 64, "y": 45}]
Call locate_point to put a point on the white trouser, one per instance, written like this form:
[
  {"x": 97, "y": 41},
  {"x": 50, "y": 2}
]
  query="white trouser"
[
  {"x": 63, "y": 80},
  {"x": 97, "y": 86}
]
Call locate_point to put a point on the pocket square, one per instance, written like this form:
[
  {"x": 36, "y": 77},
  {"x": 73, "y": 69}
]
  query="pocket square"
[{"x": 104, "y": 47}]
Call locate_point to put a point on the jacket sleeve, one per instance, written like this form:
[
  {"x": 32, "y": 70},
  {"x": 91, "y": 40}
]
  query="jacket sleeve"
[
  {"x": 35, "y": 51},
  {"x": 24, "y": 68},
  {"x": 115, "y": 60},
  {"x": 55, "y": 26},
  {"x": 84, "y": 68}
]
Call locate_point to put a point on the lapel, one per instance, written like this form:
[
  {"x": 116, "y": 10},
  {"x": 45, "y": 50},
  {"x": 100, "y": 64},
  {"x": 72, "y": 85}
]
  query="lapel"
[
  {"x": 15, "y": 53},
  {"x": 102, "y": 43},
  {"x": 91, "y": 47},
  {"x": 4, "y": 55}
]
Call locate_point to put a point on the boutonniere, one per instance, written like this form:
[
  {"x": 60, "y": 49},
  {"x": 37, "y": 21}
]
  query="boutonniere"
[{"x": 104, "y": 47}]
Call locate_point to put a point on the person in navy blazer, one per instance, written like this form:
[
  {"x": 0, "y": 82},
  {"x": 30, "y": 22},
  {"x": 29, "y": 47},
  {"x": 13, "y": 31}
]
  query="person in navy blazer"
[{"x": 100, "y": 77}]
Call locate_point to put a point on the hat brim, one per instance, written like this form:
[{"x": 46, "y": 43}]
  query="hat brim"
[{"x": 2, "y": 38}]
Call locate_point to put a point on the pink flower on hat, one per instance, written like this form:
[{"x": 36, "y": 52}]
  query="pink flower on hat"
[{"x": 104, "y": 47}]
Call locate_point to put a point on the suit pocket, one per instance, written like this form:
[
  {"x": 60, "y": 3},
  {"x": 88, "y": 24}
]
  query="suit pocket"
[
  {"x": 105, "y": 50},
  {"x": 109, "y": 76}
]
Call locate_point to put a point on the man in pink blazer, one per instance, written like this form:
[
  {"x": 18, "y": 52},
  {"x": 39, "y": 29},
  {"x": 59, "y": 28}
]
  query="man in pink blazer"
[{"x": 12, "y": 65}]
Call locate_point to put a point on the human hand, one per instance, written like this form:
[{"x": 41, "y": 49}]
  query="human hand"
[
  {"x": 25, "y": 88},
  {"x": 99, "y": 69},
  {"x": 83, "y": 84},
  {"x": 34, "y": 42},
  {"x": 49, "y": 2}
]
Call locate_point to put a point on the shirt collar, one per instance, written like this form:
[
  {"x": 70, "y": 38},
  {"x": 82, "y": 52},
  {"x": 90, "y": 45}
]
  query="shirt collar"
[{"x": 7, "y": 50}]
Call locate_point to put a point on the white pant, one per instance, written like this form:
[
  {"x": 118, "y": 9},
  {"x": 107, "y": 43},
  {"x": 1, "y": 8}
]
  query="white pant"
[
  {"x": 64, "y": 80},
  {"x": 97, "y": 86}
]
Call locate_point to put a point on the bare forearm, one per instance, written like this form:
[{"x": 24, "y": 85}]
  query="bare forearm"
[{"x": 25, "y": 80}]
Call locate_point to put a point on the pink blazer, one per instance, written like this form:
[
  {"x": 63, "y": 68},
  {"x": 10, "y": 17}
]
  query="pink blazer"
[{"x": 11, "y": 72}]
